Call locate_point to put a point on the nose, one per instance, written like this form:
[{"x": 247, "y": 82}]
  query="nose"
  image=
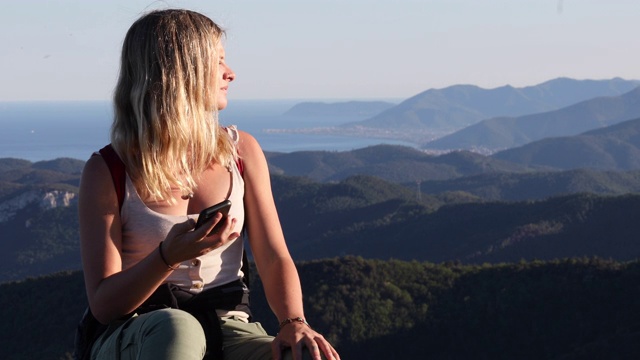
[{"x": 228, "y": 74}]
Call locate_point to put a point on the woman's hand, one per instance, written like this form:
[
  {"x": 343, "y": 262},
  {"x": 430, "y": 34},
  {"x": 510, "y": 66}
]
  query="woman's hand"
[
  {"x": 297, "y": 336},
  {"x": 182, "y": 244}
]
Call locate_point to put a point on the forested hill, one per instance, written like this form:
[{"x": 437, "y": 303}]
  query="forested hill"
[
  {"x": 539, "y": 185},
  {"x": 390, "y": 162},
  {"x": 370, "y": 309},
  {"x": 470, "y": 232},
  {"x": 362, "y": 215},
  {"x": 615, "y": 147}
]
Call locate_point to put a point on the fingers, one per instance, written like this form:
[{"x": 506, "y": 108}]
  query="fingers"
[
  {"x": 312, "y": 342},
  {"x": 331, "y": 353},
  {"x": 218, "y": 225},
  {"x": 219, "y": 237},
  {"x": 207, "y": 229},
  {"x": 313, "y": 349},
  {"x": 318, "y": 346},
  {"x": 276, "y": 350},
  {"x": 182, "y": 243}
]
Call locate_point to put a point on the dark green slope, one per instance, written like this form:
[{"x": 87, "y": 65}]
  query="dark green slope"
[
  {"x": 369, "y": 217},
  {"x": 537, "y": 185},
  {"x": 616, "y": 147},
  {"x": 371, "y": 309},
  {"x": 390, "y": 162},
  {"x": 575, "y": 225}
]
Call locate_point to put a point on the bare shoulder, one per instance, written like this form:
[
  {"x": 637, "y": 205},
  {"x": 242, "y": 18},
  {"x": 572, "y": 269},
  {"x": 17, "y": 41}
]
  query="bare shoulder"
[
  {"x": 96, "y": 184},
  {"x": 95, "y": 168},
  {"x": 248, "y": 146}
]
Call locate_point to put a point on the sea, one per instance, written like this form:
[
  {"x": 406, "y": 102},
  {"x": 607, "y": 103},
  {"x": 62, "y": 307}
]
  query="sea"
[{"x": 38, "y": 131}]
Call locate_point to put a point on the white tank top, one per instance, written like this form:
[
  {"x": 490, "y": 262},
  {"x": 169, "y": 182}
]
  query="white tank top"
[{"x": 143, "y": 229}]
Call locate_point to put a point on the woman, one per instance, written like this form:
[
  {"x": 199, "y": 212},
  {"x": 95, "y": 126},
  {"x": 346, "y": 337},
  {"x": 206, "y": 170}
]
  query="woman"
[{"x": 173, "y": 81}]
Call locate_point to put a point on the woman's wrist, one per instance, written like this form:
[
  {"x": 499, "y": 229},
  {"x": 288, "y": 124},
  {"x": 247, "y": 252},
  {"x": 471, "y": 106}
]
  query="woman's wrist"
[
  {"x": 164, "y": 259},
  {"x": 293, "y": 320}
]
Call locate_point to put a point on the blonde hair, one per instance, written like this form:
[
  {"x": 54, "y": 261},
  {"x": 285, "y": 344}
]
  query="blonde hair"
[{"x": 165, "y": 126}]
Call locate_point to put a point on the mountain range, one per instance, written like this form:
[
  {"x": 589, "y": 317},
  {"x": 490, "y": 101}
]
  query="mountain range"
[
  {"x": 437, "y": 112},
  {"x": 507, "y": 132},
  {"x": 611, "y": 148}
]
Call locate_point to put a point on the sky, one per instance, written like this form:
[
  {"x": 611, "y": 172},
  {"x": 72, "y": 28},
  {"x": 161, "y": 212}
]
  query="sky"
[{"x": 330, "y": 49}]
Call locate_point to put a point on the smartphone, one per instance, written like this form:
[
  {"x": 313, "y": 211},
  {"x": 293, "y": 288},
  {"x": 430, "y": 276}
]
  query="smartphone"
[{"x": 210, "y": 212}]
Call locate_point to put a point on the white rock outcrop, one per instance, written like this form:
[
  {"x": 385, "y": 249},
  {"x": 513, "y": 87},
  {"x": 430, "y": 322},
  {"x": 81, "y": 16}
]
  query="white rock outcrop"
[{"x": 46, "y": 200}]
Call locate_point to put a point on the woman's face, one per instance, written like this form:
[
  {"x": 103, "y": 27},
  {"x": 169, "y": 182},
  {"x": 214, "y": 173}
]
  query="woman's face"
[{"x": 226, "y": 76}]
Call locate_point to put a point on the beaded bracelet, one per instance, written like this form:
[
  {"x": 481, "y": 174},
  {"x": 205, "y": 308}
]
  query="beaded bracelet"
[
  {"x": 295, "y": 319},
  {"x": 164, "y": 260}
]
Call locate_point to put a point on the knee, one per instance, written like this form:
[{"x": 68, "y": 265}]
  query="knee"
[
  {"x": 174, "y": 323},
  {"x": 174, "y": 330}
]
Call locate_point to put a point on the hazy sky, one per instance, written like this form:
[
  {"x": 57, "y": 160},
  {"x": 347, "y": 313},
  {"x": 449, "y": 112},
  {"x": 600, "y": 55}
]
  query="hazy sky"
[{"x": 331, "y": 49}]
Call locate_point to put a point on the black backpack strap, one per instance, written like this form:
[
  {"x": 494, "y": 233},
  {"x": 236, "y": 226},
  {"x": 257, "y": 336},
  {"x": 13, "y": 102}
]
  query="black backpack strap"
[
  {"x": 117, "y": 169},
  {"x": 87, "y": 331}
]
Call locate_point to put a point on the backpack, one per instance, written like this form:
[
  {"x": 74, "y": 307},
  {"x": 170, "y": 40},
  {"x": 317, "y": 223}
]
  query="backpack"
[{"x": 89, "y": 328}]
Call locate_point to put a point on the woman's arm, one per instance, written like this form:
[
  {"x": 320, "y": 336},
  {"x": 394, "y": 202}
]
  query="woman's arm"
[
  {"x": 114, "y": 293},
  {"x": 111, "y": 292},
  {"x": 277, "y": 270}
]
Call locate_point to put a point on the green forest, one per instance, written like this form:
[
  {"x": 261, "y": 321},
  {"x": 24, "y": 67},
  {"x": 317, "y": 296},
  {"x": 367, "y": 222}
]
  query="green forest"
[{"x": 580, "y": 308}]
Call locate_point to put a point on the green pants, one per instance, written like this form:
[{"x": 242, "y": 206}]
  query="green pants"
[{"x": 175, "y": 334}]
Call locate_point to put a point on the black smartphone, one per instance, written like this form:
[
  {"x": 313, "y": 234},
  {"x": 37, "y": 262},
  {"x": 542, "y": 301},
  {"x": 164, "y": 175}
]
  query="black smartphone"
[{"x": 210, "y": 212}]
